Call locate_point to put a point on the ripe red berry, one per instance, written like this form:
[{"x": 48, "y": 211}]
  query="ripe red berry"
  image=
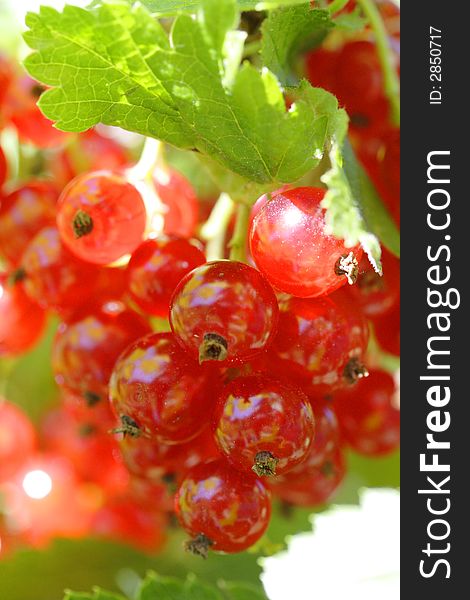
[
  {"x": 101, "y": 217},
  {"x": 263, "y": 425},
  {"x": 368, "y": 418},
  {"x": 54, "y": 277},
  {"x": 158, "y": 391},
  {"x": 17, "y": 439},
  {"x": 22, "y": 111},
  {"x": 387, "y": 331},
  {"x": 290, "y": 246},
  {"x": 222, "y": 508},
  {"x": 22, "y": 320},
  {"x": 23, "y": 213},
  {"x": 224, "y": 310},
  {"x": 377, "y": 295},
  {"x": 86, "y": 347},
  {"x": 181, "y": 203},
  {"x": 320, "y": 342},
  {"x": 156, "y": 268},
  {"x": 313, "y": 486},
  {"x": 327, "y": 438},
  {"x": 152, "y": 460}
]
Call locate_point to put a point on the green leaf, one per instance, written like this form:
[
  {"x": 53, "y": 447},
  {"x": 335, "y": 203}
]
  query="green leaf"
[
  {"x": 98, "y": 594},
  {"x": 156, "y": 587},
  {"x": 354, "y": 210},
  {"x": 289, "y": 31},
  {"x": 241, "y": 591},
  {"x": 354, "y": 21},
  {"x": 114, "y": 64},
  {"x": 171, "y": 7}
]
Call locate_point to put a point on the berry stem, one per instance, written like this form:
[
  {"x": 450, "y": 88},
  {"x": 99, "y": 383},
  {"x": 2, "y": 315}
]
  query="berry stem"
[
  {"x": 336, "y": 6},
  {"x": 238, "y": 242},
  {"x": 150, "y": 157},
  {"x": 251, "y": 48},
  {"x": 215, "y": 228},
  {"x": 391, "y": 81}
]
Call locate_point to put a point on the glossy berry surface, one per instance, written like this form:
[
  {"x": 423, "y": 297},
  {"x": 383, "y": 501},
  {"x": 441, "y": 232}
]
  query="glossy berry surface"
[
  {"x": 17, "y": 439},
  {"x": 387, "y": 331},
  {"x": 22, "y": 321},
  {"x": 101, "y": 217},
  {"x": 263, "y": 425},
  {"x": 161, "y": 389},
  {"x": 3, "y": 167},
  {"x": 23, "y": 213},
  {"x": 320, "y": 342},
  {"x": 156, "y": 268},
  {"x": 313, "y": 486},
  {"x": 54, "y": 277},
  {"x": 368, "y": 418},
  {"x": 180, "y": 201},
  {"x": 224, "y": 310},
  {"x": 228, "y": 509},
  {"x": 291, "y": 248},
  {"x": 88, "y": 344},
  {"x": 327, "y": 436}
]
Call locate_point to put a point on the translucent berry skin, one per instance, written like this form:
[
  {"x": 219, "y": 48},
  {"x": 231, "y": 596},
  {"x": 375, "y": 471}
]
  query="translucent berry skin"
[
  {"x": 327, "y": 435},
  {"x": 55, "y": 278},
  {"x": 260, "y": 414},
  {"x": 157, "y": 385},
  {"x": 23, "y": 213},
  {"x": 17, "y": 439},
  {"x": 369, "y": 421},
  {"x": 377, "y": 295},
  {"x": 387, "y": 331},
  {"x": 156, "y": 268},
  {"x": 290, "y": 247},
  {"x": 230, "y": 508},
  {"x": 86, "y": 347},
  {"x": 229, "y": 299},
  {"x": 101, "y": 217},
  {"x": 150, "y": 459},
  {"x": 316, "y": 340},
  {"x": 176, "y": 193},
  {"x": 315, "y": 485},
  {"x": 22, "y": 320}
]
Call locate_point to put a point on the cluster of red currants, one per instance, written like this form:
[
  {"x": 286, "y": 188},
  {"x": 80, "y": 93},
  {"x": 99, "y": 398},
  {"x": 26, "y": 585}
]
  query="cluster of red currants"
[{"x": 254, "y": 389}]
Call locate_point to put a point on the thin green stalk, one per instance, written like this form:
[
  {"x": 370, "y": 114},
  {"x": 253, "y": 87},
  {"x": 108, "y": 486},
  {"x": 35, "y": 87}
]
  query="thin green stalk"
[
  {"x": 391, "y": 81},
  {"x": 251, "y": 48},
  {"x": 214, "y": 229},
  {"x": 336, "y": 6},
  {"x": 238, "y": 242}
]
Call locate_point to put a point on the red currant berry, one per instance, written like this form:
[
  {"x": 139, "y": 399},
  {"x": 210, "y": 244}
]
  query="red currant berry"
[
  {"x": 90, "y": 150},
  {"x": 321, "y": 66},
  {"x": 153, "y": 460},
  {"x": 263, "y": 425},
  {"x": 387, "y": 331},
  {"x": 17, "y": 439},
  {"x": 224, "y": 310},
  {"x": 222, "y": 508},
  {"x": 124, "y": 519},
  {"x": 54, "y": 277},
  {"x": 93, "y": 453},
  {"x": 6, "y": 76},
  {"x": 22, "y": 111},
  {"x": 377, "y": 295},
  {"x": 291, "y": 248},
  {"x": 179, "y": 198},
  {"x": 86, "y": 347},
  {"x": 315, "y": 485},
  {"x": 101, "y": 217},
  {"x": 320, "y": 342},
  {"x": 22, "y": 320},
  {"x": 327, "y": 438},
  {"x": 368, "y": 418},
  {"x": 23, "y": 213},
  {"x": 159, "y": 391},
  {"x": 156, "y": 268}
]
